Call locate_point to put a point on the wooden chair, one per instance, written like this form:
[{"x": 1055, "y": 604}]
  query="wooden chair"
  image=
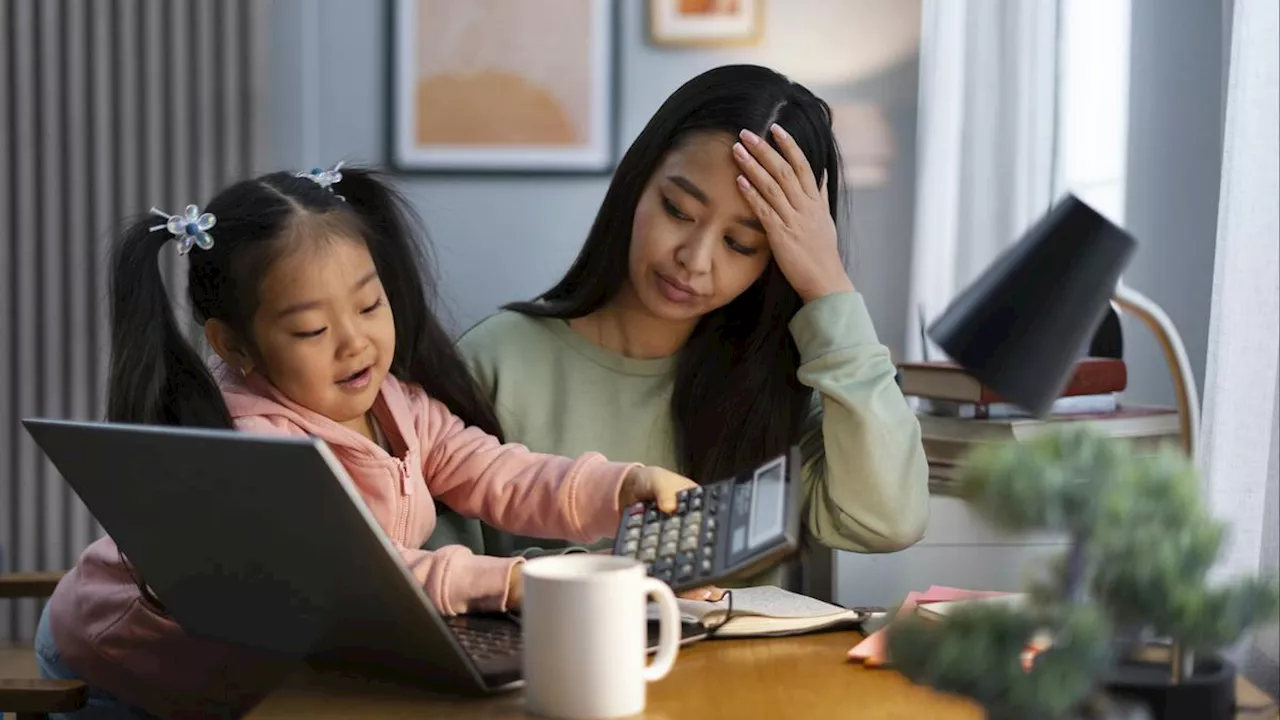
[{"x": 30, "y": 698}]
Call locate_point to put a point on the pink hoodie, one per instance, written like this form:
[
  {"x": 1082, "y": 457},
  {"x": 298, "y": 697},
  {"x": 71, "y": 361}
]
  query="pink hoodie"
[{"x": 114, "y": 640}]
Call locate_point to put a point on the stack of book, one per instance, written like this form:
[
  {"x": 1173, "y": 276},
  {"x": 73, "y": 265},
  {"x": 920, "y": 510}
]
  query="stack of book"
[{"x": 957, "y": 412}]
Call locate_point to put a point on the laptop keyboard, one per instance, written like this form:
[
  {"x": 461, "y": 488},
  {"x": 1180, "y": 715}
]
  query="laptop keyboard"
[{"x": 487, "y": 638}]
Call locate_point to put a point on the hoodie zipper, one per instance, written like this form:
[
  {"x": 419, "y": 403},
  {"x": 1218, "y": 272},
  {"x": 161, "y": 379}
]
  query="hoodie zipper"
[
  {"x": 402, "y": 521},
  {"x": 403, "y": 504}
]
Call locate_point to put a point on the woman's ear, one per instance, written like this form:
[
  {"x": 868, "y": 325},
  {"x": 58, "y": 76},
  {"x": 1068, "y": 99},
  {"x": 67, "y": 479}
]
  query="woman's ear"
[{"x": 229, "y": 346}]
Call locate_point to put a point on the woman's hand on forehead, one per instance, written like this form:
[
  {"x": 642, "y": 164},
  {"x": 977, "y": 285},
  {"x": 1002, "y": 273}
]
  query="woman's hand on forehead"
[{"x": 795, "y": 211}]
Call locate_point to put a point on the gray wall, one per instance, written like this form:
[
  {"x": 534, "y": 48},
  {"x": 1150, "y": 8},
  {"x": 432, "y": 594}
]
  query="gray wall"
[
  {"x": 1174, "y": 165},
  {"x": 507, "y": 238}
]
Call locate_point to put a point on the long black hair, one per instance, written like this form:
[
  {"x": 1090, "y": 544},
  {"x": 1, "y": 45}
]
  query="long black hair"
[
  {"x": 737, "y": 400},
  {"x": 156, "y": 377}
]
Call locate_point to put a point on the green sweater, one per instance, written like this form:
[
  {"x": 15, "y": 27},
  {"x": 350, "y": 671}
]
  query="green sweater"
[{"x": 866, "y": 486}]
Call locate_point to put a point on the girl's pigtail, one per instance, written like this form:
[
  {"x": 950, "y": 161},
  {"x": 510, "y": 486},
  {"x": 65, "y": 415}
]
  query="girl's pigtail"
[{"x": 156, "y": 377}]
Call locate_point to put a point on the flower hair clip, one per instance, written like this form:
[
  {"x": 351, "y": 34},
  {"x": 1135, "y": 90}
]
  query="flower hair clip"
[
  {"x": 325, "y": 178},
  {"x": 191, "y": 229}
]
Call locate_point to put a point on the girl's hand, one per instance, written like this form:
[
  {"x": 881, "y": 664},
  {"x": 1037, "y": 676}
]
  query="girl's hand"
[
  {"x": 653, "y": 483},
  {"x": 515, "y": 586},
  {"x": 795, "y": 213}
]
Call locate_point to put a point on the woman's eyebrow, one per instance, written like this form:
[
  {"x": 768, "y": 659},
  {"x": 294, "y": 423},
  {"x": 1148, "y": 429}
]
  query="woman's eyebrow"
[
  {"x": 687, "y": 185},
  {"x": 696, "y": 193}
]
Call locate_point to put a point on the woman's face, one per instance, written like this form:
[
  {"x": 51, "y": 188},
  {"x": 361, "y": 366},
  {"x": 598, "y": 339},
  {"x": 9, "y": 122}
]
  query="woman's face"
[{"x": 695, "y": 244}]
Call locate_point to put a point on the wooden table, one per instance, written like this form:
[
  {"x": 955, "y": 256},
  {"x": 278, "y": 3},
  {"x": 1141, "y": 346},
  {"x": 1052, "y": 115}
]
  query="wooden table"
[{"x": 801, "y": 677}]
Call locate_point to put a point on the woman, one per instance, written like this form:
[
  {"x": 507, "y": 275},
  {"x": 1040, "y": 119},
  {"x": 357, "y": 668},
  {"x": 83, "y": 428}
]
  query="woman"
[{"x": 708, "y": 324}]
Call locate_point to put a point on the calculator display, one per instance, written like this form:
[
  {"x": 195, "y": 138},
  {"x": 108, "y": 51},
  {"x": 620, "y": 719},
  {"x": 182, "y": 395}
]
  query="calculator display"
[{"x": 768, "y": 512}]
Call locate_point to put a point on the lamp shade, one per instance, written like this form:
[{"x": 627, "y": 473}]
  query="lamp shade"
[{"x": 1022, "y": 325}]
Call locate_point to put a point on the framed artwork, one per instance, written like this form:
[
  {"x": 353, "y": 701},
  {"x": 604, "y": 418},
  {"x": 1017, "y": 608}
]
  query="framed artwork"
[
  {"x": 705, "y": 22},
  {"x": 503, "y": 86}
]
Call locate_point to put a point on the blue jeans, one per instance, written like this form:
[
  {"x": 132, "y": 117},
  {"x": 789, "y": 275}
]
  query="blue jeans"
[{"x": 101, "y": 705}]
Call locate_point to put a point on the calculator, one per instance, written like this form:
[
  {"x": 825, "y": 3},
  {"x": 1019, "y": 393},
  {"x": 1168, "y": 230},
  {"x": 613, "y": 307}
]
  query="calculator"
[{"x": 719, "y": 530}]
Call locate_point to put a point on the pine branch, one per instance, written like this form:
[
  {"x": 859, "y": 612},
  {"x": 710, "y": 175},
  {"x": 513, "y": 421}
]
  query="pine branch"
[{"x": 977, "y": 652}]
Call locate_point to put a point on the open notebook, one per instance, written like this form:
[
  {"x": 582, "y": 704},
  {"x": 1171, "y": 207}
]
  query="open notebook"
[{"x": 768, "y": 611}]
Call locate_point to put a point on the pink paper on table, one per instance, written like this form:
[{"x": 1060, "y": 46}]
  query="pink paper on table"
[{"x": 871, "y": 650}]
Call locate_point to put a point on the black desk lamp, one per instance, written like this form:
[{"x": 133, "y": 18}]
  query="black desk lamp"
[{"x": 1021, "y": 326}]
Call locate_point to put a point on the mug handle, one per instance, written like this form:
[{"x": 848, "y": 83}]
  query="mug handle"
[{"x": 668, "y": 629}]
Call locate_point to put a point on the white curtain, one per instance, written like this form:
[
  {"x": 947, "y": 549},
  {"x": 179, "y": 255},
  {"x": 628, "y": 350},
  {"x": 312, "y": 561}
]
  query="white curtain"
[
  {"x": 1238, "y": 447},
  {"x": 986, "y": 141}
]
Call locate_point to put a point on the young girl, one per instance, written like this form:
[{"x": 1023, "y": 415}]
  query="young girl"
[
  {"x": 711, "y": 303},
  {"x": 312, "y": 293}
]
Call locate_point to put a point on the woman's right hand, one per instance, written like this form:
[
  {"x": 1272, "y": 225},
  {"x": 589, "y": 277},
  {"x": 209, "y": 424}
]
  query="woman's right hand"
[{"x": 795, "y": 210}]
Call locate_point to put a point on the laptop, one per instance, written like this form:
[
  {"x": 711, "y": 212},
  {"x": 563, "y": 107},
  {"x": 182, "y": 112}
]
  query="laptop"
[{"x": 265, "y": 542}]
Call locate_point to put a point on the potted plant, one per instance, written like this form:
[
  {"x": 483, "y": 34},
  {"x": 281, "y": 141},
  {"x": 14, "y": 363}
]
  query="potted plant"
[
  {"x": 1140, "y": 546},
  {"x": 1155, "y": 554},
  {"x": 1052, "y": 483},
  {"x": 979, "y": 652}
]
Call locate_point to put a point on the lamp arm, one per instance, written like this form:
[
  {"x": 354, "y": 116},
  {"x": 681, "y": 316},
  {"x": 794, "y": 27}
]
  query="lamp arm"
[{"x": 1140, "y": 306}]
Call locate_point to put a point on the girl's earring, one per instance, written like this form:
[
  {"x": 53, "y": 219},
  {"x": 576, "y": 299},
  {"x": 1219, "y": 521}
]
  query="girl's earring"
[{"x": 244, "y": 371}]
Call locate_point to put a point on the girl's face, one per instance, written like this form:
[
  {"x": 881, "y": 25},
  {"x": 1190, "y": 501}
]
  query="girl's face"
[
  {"x": 323, "y": 332},
  {"x": 695, "y": 244}
]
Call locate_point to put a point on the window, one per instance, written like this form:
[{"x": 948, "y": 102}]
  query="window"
[{"x": 1093, "y": 104}]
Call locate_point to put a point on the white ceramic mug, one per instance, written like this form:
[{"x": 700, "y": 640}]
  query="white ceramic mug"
[{"x": 586, "y": 632}]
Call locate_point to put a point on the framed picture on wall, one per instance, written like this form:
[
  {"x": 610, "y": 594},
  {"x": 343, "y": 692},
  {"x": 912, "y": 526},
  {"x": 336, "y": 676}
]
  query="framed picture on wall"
[
  {"x": 705, "y": 22},
  {"x": 500, "y": 86}
]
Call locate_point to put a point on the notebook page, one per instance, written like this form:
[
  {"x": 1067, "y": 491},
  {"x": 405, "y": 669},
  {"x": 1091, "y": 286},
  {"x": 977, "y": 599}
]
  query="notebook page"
[
  {"x": 771, "y": 601},
  {"x": 764, "y": 600}
]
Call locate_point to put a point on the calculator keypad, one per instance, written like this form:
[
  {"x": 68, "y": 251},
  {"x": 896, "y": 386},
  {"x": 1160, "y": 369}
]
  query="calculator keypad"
[{"x": 678, "y": 548}]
